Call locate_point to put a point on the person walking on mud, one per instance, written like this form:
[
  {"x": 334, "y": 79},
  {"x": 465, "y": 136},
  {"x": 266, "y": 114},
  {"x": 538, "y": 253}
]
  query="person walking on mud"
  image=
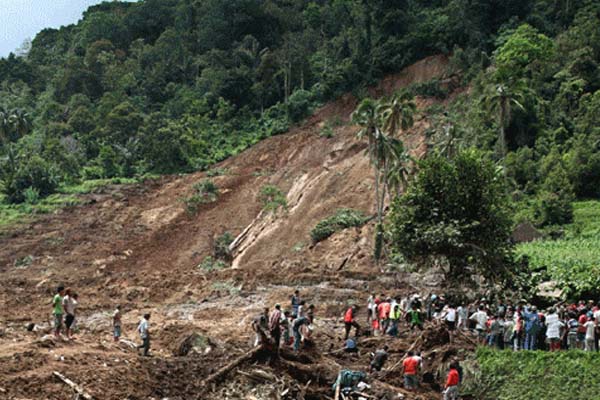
[
  {"x": 57, "y": 310},
  {"x": 349, "y": 321},
  {"x": 275, "y": 327},
  {"x": 144, "y": 330}
]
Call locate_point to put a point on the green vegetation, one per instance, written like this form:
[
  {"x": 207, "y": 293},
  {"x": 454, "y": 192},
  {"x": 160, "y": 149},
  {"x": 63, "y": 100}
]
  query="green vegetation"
[
  {"x": 203, "y": 192},
  {"x": 458, "y": 210},
  {"x": 342, "y": 219},
  {"x": 272, "y": 198},
  {"x": 221, "y": 246},
  {"x": 525, "y": 375},
  {"x": 210, "y": 264},
  {"x": 572, "y": 261}
]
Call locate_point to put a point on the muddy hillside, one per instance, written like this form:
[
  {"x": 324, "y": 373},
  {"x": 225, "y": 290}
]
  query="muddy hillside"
[{"x": 141, "y": 247}]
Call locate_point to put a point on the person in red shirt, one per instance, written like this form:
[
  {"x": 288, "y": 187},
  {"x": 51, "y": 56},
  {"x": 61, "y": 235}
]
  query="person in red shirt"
[
  {"x": 451, "y": 392},
  {"x": 349, "y": 321},
  {"x": 410, "y": 365},
  {"x": 581, "y": 331},
  {"x": 383, "y": 313}
]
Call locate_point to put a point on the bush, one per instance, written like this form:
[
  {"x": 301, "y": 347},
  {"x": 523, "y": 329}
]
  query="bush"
[
  {"x": 221, "y": 249},
  {"x": 204, "y": 192},
  {"x": 342, "y": 219},
  {"x": 299, "y": 105},
  {"x": 210, "y": 264},
  {"x": 23, "y": 175},
  {"x": 272, "y": 198},
  {"x": 553, "y": 209}
]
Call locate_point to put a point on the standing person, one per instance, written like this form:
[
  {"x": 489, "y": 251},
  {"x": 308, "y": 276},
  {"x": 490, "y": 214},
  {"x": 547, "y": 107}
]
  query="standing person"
[
  {"x": 349, "y": 321},
  {"x": 497, "y": 332},
  {"x": 297, "y": 325},
  {"x": 144, "y": 331},
  {"x": 590, "y": 330},
  {"x": 301, "y": 311},
  {"x": 463, "y": 314},
  {"x": 69, "y": 309},
  {"x": 57, "y": 310},
  {"x": 116, "y": 319},
  {"x": 553, "y": 328},
  {"x": 581, "y": 330},
  {"x": 310, "y": 314},
  {"x": 508, "y": 333},
  {"x": 295, "y": 303},
  {"x": 532, "y": 325},
  {"x": 451, "y": 388},
  {"x": 383, "y": 310},
  {"x": 410, "y": 367},
  {"x": 395, "y": 315},
  {"x": 260, "y": 325},
  {"x": 573, "y": 327},
  {"x": 415, "y": 318},
  {"x": 370, "y": 308},
  {"x": 480, "y": 318},
  {"x": 379, "y": 359},
  {"x": 275, "y": 327},
  {"x": 75, "y": 305},
  {"x": 449, "y": 317},
  {"x": 285, "y": 327}
]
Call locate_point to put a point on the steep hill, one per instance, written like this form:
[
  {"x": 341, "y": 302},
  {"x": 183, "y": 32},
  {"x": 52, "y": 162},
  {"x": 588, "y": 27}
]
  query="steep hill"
[{"x": 138, "y": 246}]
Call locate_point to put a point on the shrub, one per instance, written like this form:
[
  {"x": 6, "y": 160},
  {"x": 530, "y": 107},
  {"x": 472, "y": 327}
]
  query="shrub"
[
  {"x": 327, "y": 131},
  {"x": 216, "y": 172},
  {"x": 210, "y": 264},
  {"x": 553, "y": 209},
  {"x": 272, "y": 198},
  {"x": 299, "y": 105},
  {"x": 221, "y": 249},
  {"x": 342, "y": 219},
  {"x": 21, "y": 175},
  {"x": 204, "y": 192}
]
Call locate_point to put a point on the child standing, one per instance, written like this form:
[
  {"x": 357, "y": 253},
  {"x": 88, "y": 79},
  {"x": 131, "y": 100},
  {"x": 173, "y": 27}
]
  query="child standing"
[{"x": 144, "y": 330}]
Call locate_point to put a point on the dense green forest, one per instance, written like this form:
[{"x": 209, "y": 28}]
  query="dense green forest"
[{"x": 167, "y": 86}]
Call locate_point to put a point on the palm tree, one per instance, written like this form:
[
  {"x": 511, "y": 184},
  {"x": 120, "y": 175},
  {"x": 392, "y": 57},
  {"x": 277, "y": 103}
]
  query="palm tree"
[
  {"x": 500, "y": 100},
  {"x": 19, "y": 120},
  {"x": 398, "y": 113},
  {"x": 4, "y": 125},
  {"x": 383, "y": 153},
  {"x": 399, "y": 170}
]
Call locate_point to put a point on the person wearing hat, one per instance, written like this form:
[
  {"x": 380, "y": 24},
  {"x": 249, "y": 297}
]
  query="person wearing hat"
[{"x": 275, "y": 326}]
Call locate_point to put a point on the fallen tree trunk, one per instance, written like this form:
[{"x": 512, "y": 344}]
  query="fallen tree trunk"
[
  {"x": 223, "y": 371},
  {"x": 73, "y": 385}
]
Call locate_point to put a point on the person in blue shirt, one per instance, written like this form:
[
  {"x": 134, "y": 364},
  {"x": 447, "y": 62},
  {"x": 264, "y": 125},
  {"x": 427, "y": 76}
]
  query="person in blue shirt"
[{"x": 532, "y": 324}]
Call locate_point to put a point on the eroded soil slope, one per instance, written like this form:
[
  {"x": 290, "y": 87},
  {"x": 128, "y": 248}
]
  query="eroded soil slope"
[{"x": 139, "y": 247}]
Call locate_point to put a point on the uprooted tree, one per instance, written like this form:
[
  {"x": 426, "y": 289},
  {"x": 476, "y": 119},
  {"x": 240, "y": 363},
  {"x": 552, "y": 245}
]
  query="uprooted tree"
[{"x": 457, "y": 210}]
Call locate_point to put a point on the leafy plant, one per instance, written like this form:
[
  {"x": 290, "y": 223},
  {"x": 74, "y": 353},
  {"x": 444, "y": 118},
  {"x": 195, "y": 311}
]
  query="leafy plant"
[
  {"x": 210, "y": 264},
  {"x": 272, "y": 198},
  {"x": 221, "y": 247},
  {"x": 342, "y": 219},
  {"x": 204, "y": 192}
]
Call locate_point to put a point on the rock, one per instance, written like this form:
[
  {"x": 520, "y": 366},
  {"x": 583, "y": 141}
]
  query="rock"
[{"x": 30, "y": 327}]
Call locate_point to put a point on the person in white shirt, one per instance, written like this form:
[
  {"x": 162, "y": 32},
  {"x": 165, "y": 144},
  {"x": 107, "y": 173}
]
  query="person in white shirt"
[
  {"x": 69, "y": 304},
  {"x": 553, "y": 328},
  {"x": 480, "y": 317},
  {"x": 462, "y": 317},
  {"x": 449, "y": 316},
  {"x": 590, "y": 334},
  {"x": 144, "y": 330}
]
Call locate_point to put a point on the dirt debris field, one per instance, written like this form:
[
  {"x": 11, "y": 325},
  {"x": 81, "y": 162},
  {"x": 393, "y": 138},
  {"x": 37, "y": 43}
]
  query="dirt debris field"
[{"x": 138, "y": 247}]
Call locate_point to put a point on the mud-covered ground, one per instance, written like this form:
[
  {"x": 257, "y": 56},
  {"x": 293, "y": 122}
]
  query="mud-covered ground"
[{"x": 138, "y": 246}]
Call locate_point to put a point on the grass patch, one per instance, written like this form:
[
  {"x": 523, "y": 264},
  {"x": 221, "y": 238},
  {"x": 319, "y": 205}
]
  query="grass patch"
[
  {"x": 525, "y": 375},
  {"x": 342, "y": 219},
  {"x": 211, "y": 173},
  {"x": 66, "y": 196},
  {"x": 573, "y": 261},
  {"x": 226, "y": 287}
]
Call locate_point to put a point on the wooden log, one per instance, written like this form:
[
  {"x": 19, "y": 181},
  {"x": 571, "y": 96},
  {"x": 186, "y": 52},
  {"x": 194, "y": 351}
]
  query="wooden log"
[
  {"x": 73, "y": 385},
  {"x": 223, "y": 371}
]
